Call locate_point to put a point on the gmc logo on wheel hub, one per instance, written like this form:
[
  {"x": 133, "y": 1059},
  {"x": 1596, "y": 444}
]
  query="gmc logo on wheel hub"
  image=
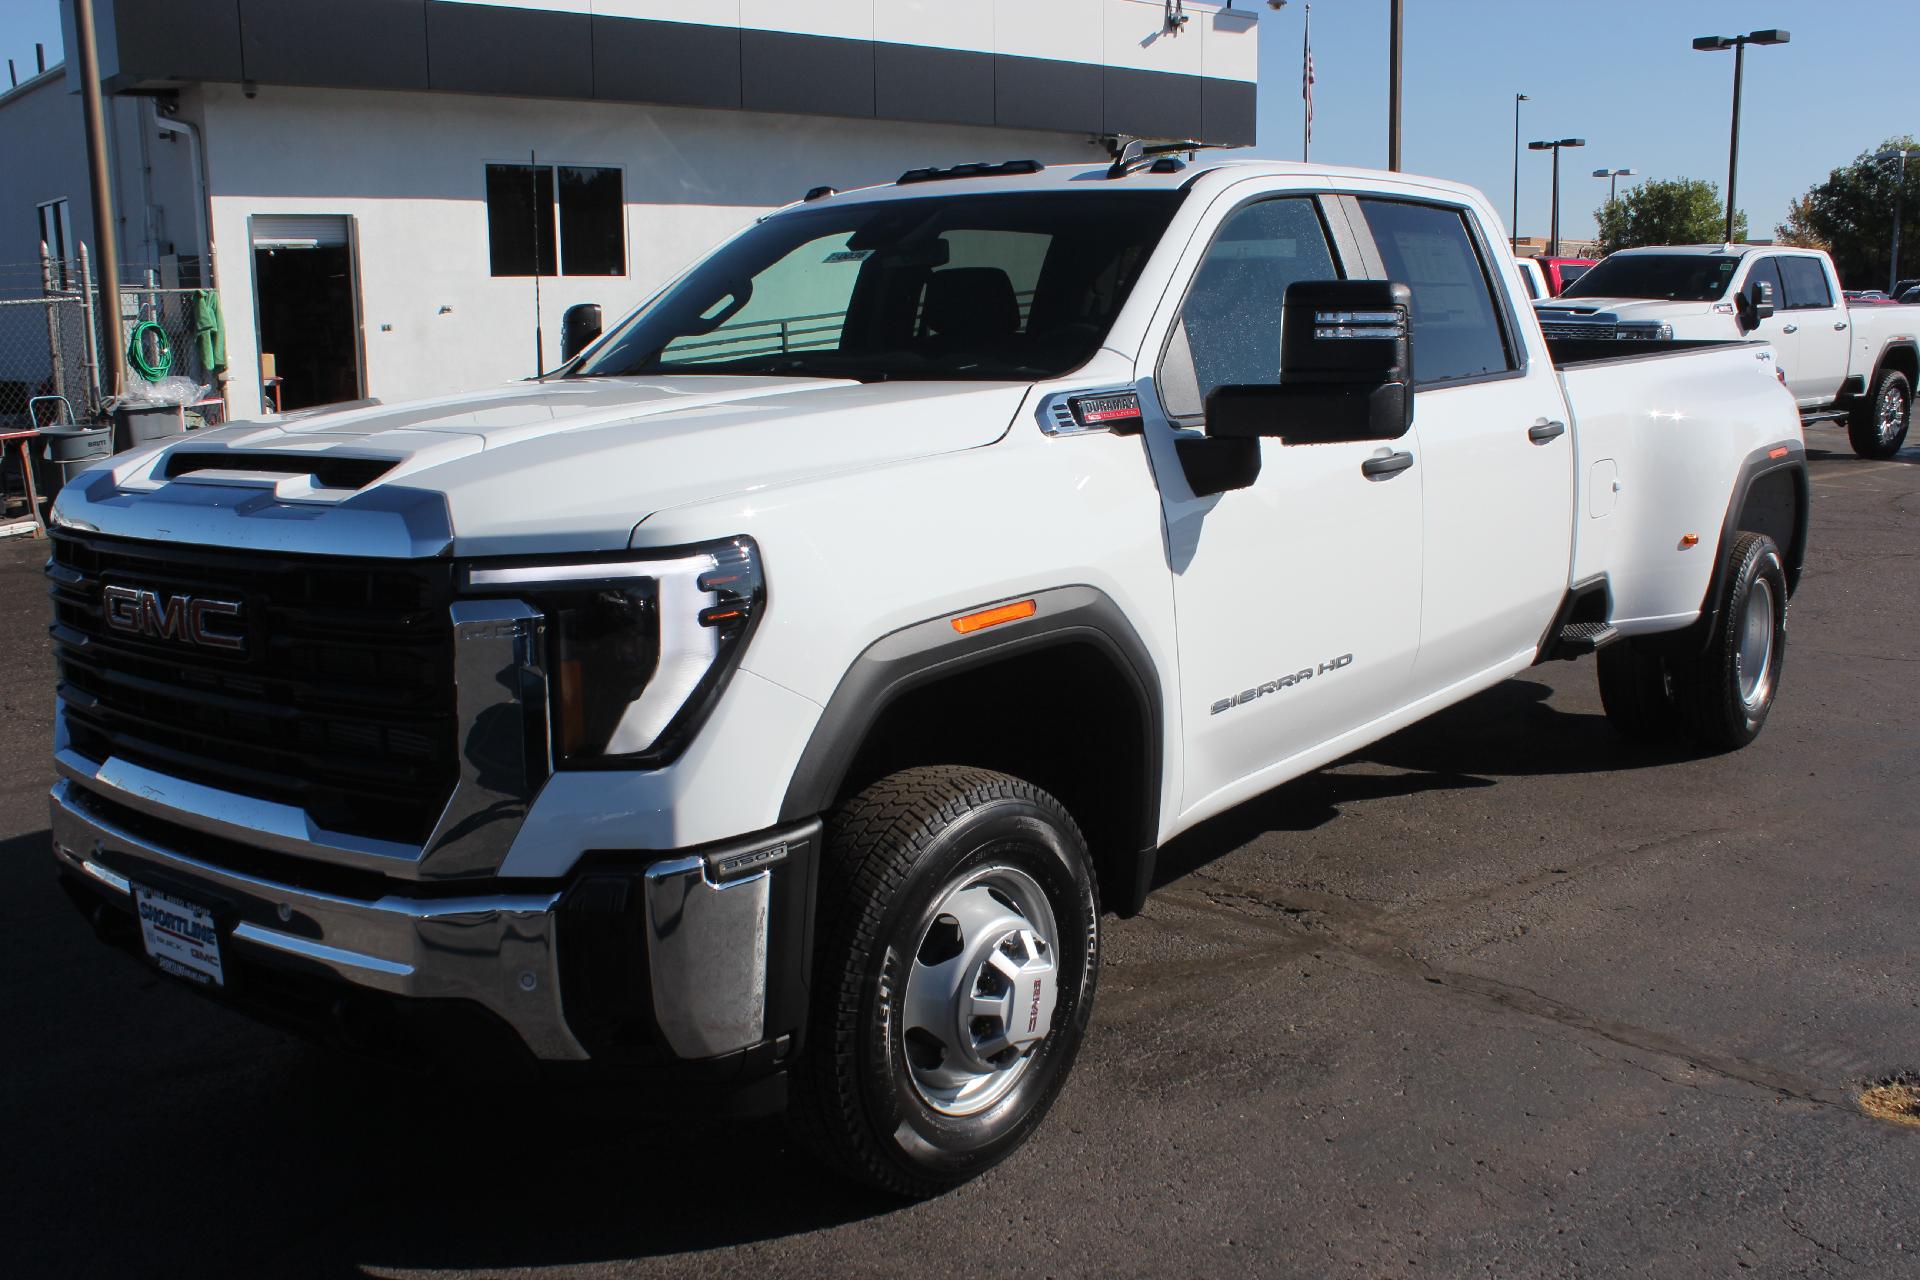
[{"x": 185, "y": 619}]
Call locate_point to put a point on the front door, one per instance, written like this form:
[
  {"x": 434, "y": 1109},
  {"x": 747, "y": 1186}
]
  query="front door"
[{"x": 1298, "y": 598}]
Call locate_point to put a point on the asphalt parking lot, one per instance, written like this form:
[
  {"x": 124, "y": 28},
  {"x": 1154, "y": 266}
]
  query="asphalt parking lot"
[{"x": 1498, "y": 997}]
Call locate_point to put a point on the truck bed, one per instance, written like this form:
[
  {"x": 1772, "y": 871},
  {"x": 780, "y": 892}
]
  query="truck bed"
[{"x": 1569, "y": 353}]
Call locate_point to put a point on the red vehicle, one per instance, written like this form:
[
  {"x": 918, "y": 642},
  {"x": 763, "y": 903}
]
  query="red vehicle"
[{"x": 1561, "y": 272}]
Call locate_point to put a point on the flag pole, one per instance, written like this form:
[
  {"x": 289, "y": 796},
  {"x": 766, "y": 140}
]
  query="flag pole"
[{"x": 1306, "y": 87}]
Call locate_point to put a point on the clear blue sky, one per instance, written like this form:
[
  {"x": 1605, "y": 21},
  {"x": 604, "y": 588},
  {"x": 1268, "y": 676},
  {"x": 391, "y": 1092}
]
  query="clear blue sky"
[{"x": 1619, "y": 73}]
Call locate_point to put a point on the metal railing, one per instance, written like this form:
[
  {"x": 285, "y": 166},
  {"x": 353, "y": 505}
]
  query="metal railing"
[{"x": 820, "y": 331}]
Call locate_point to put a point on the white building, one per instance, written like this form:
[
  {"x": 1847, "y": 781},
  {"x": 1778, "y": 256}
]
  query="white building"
[{"x": 373, "y": 182}]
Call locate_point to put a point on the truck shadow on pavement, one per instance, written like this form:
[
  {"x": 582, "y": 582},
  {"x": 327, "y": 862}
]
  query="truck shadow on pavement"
[
  {"x": 1510, "y": 731},
  {"x": 311, "y": 1165},
  {"x": 305, "y": 1163}
]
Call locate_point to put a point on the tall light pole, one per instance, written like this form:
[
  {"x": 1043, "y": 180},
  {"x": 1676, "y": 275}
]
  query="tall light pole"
[
  {"x": 1514, "y": 226},
  {"x": 1899, "y": 211},
  {"x": 1395, "y": 25},
  {"x": 1716, "y": 44},
  {"x": 1553, "y": 238},
  {"x": 1613, "y": 177}
]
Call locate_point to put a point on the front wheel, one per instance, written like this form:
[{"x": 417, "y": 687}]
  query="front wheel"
[
  {"x": 1878, "y": 425},
  {"x": 954, "y": 975}
]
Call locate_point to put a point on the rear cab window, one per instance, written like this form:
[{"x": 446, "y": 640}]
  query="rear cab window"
[
  {"x": 1459, "y": 326},
  {"x": 1806, "y": 280}
]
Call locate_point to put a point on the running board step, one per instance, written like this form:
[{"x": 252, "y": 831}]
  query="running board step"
[
  {"x": 1824, "y": 415},
  {"x": 1578, "y": 638}
]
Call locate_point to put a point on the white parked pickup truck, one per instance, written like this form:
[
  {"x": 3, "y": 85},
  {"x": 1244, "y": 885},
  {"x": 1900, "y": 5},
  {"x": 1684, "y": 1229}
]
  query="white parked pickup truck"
[
  {"x": 775, "y": 695},
  {"x": 1858, "y": 364}
]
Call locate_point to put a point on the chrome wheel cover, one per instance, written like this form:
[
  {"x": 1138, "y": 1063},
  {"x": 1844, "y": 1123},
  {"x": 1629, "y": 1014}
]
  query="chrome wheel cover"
[
  {"x": 981, "y": 992},
  {"x": 1893, "y": 414},
  {"x": 1753, "y": 658}
]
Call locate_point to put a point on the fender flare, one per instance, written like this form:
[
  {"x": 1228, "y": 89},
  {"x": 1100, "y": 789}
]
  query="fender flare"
[
  {"x": 1788, "y": 456},
  {"x": 931, "y": 650}
]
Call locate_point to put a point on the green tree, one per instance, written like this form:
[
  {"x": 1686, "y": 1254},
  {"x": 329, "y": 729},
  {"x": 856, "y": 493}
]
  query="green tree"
[
  {"x": 1852, "y": 214},
  {"x": 1666, "y": 211}
]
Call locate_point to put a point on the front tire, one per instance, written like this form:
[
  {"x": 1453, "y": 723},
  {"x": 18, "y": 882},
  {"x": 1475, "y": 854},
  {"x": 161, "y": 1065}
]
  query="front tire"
[
  {"x": 1879, "y": 421},
  {"x": 958, "y": 946}
]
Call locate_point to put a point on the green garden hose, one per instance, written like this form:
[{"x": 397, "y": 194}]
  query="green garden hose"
[{"x": 162, "y": 352}]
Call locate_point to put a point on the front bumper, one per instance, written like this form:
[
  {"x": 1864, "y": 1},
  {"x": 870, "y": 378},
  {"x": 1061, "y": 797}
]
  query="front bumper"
[{"x": 654, "y": 957}]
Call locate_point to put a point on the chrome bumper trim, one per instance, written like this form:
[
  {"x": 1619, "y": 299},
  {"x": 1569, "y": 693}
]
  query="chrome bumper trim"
[
  {"x": 230, "y": 816},
  {"x": 707, "y": 954},
  {"x": 495, "y": 950}
]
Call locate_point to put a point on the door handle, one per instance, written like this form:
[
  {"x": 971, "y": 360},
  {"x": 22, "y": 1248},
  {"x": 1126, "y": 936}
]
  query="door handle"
[
  {"x": 1543, "y": 431},
  {"x": 1792, "y": 328},
  {"x": 1839, "y": 326},
  {"x": 1387, "y": 467}
]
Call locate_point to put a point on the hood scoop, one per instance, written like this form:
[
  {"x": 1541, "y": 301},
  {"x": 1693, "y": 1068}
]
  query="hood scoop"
[{"x": 328, "y": 471}]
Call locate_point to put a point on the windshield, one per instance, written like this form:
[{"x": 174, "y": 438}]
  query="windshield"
[
  {"x": 1006, "y": 287},
  {"x": 1673, "y": 277}
]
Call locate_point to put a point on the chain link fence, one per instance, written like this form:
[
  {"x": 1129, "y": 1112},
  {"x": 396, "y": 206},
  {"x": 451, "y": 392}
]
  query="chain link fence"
[
  {"x": 52, "y": 341},
  {"x": 53, "y": 352},
  {"x": 46, "y": 347}
]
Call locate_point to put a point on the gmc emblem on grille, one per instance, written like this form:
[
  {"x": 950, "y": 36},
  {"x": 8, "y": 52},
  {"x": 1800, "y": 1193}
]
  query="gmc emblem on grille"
[{"x": 186, "y": 619}]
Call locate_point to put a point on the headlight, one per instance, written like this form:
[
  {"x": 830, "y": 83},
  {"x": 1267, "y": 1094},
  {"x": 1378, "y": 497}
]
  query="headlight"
[
  {"x": 639, "y": 648},
  {"x": 1645, "y": 330}
]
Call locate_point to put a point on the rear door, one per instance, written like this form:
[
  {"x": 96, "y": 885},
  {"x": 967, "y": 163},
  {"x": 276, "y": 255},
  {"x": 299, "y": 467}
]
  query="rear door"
[
  {"x": 1496, "y": 470},
  {"x": 1816, "y": 309}
]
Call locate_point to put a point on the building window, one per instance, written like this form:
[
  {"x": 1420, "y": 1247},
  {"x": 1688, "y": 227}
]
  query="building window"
[
  {"x": 556, "y": 220},
  {"x": 56, "y": 234}
]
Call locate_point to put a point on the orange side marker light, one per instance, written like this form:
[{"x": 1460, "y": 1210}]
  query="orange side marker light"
[
  {"x": 1780, "y": 452},
  {"x": 1689, "y": 539},
  {"x": 968, "y": 623}
]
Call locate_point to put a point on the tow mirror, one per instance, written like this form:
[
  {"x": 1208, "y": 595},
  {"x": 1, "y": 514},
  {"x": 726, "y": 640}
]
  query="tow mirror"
[
  {"x": 579, "y": 326},
  {"x": 1346, "y": 369},
  {"x": 1750, "y": 309}
]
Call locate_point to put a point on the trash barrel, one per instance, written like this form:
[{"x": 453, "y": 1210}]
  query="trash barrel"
[
  {"x": 69, "y": 450},
  {"x": 138, "y": 424}
]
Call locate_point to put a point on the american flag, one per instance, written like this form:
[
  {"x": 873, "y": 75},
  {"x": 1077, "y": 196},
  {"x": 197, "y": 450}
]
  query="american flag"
[{"x": 1306, "y": 83}]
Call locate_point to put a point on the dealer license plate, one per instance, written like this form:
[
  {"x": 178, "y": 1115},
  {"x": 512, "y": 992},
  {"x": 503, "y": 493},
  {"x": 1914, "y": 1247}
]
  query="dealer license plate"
[{"x": 179, "y": 936}]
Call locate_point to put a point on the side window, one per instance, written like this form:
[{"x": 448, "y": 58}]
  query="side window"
[
  {"x": 1456, "y": 326},
  {"x": 1806, "y": 283},
  {"x": 1766, "y": 271},
  {"x": 1229, "y": 327}
]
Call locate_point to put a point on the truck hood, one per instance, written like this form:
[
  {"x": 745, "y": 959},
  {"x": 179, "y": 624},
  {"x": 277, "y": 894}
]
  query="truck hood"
[
  {"x": 569, "y": 464},
  {"x": 1622, "y": 308}
]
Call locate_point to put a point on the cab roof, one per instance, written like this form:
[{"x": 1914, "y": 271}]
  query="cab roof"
[
  {"x": 1715, "y": 250},
  {"x": 1094, "y": 177}
]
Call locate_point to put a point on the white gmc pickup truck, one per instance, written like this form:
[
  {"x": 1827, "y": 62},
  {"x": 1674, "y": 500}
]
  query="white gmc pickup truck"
[
  {"x": 777, "y": 694},
  {"x": 1855, "y": 364}
]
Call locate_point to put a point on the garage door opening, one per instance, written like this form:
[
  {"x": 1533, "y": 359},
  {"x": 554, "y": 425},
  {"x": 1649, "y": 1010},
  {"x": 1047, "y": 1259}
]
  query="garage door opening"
[{"x": 307, "y": 302}]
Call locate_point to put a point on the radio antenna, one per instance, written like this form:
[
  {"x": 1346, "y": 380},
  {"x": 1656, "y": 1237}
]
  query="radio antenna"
[{"x": 539, "y": 338}]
